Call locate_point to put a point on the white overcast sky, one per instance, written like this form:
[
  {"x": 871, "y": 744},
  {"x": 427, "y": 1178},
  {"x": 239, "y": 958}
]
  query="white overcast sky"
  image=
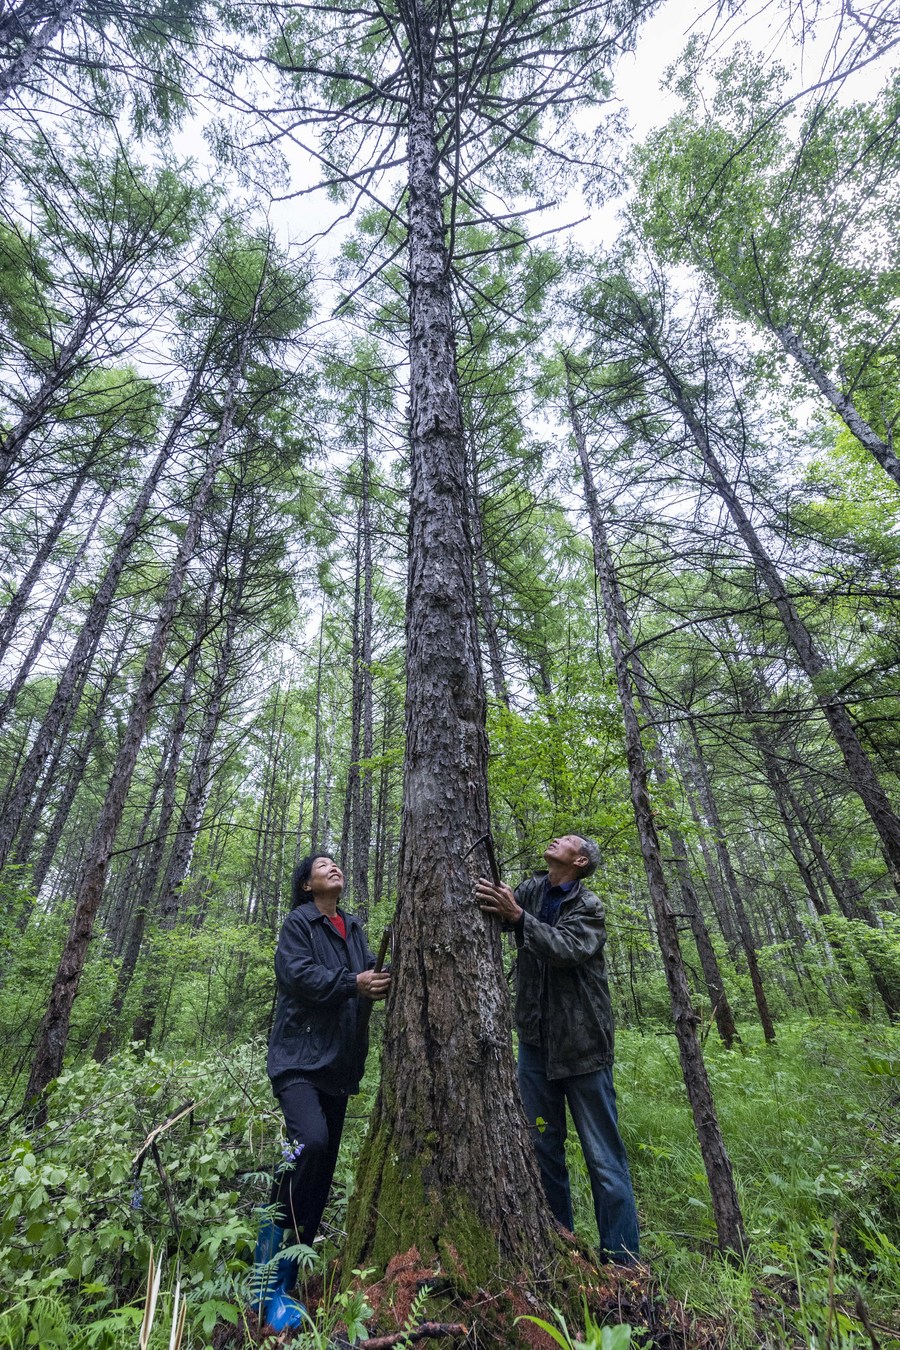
[{"x": 638, "y": 85}]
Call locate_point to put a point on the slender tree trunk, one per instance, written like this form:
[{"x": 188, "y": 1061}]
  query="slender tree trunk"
[
  {"x": 49, "y": 618},
  {"x": 709, "y": 962},
  {"x": 351, "y": 791},
  {"x": 720, "y": 906},
  {"x": 726, "y": 1207},
  {"x": 317, "y": 747},
  {"x": 888, "y": 988},
  {"x": 17, "y": 71},
  {"x": 880, "y": 450},
  {"x": 95, "y": 620},
  {"x": 485, "y": 598},
  {"x": 200, "y": 776},
  {"x": 861, "y": 774},
  {"x": 75, "y": 774},
  {"x": 362, "y": 823},
  {"x": 16, "y": 607},
  {"x": 708, "y": 801},
  {"x": 199, "y": 779},
  {"x": 150, "y": 872},
  {"x": 447, "y": 1165},
  {"x": 381, "y": 809},
  {"x": 54, "y": 1029},
  {"x": 66, "y": 362},
  {"x": 131, "y": 893}
]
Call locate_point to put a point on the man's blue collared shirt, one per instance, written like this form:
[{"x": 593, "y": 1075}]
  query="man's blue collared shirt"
[{"x": 552, "y": 899}]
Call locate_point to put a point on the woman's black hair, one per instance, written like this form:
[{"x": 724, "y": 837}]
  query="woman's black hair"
[{"x": 300, "y": 892}]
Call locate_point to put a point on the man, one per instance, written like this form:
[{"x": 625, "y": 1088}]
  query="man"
[{"x": 565, "y": 1025}]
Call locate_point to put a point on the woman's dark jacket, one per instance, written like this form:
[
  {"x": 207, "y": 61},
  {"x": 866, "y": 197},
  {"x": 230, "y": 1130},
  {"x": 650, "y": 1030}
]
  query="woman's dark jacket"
[
  {"x": 562, "y": 991},
  {"x": 318, "y": 1033}
]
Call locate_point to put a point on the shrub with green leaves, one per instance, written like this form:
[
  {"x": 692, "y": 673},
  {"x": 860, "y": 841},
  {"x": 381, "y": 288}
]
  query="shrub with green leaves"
[{"x": 82, "y": 1198}]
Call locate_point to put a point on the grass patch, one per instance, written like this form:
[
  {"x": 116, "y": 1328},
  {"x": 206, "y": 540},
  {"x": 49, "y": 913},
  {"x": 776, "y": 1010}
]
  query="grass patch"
[{"x": 813, "y": 1128}]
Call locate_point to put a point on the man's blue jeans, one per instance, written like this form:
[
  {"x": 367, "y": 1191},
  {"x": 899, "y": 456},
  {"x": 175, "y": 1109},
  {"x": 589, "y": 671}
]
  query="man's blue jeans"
[{"x": 592, "y": 1102}]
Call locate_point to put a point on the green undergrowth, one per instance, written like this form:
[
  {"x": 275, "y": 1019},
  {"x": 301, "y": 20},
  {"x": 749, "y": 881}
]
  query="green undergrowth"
[{"x": 812, "y": 1124}]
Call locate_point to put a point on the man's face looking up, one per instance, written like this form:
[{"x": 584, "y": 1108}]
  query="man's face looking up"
[{"x": 566, "y": 854}]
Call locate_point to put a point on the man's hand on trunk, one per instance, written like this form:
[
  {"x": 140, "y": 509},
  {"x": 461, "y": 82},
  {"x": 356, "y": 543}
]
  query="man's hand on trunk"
[{"x": 497, "y": 900}]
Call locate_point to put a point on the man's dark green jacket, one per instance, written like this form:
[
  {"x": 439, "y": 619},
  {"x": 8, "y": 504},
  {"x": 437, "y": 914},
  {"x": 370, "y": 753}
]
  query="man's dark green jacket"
[{"x": 562, "y": 992}]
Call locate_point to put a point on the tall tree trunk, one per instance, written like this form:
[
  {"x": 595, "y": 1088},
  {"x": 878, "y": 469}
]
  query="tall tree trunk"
[
  {"x": 75, "y": 774},
  {"x": 697, "y": 765},
  {"x": 66, "y": 361},
  {"x": 726, "y": 1207},
  {"x": 199, "y": 779},
  {"x": 49, "y": 618},
  {"x": 709, "y": 962},
  {"x": 861, "y": 774},
  {"x": 888, "y": 988},
  {"x": 485, "y": 598},
  {"x": 150, "y": 872},
  {"x": 882, "y": 451},
  {"x": 16, "y": 607},
  {"x": 317, "y": 746},
  {"x": 362, "y": 822},
  {"x": 88, "y": 637},
  {"x": 719, "y": 904},
  {"x": 382, "y": 806},
  {"x": 447, "y": 1178},
  {"x": 54, "y": 1028}
]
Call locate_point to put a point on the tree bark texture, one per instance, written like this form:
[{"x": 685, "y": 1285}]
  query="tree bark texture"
[
  {"x": 18, "y": 69},
  {"x": 447, "y": 1165}
]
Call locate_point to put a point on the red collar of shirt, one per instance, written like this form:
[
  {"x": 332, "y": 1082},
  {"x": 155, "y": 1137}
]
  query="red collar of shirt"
[{"x": 337, "y": 922}]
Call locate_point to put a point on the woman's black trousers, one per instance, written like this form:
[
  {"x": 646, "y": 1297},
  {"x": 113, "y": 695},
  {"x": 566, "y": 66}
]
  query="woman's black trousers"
[{"x": 314, "y": 1119}]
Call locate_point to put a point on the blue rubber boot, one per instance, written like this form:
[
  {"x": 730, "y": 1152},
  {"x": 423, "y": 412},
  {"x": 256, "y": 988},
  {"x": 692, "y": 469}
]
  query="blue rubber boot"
[{"x": 273, "y": 1279}]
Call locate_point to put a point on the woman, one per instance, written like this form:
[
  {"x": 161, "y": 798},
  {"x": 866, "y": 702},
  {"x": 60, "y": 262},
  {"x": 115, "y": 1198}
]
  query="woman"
[{"x": 317, "y": 1053}]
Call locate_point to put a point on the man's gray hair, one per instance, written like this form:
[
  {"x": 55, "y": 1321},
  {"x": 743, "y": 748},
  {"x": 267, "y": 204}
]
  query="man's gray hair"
[{"x": 592, "y": 851}]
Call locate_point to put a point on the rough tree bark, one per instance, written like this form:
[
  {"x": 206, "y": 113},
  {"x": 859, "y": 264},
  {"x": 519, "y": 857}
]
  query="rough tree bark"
[
  {"x": 447, "y": 1165},
  {"x": 16, "y": 72}
]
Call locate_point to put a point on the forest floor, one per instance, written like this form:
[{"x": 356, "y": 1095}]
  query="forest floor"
[{"x": 812, "y": 1124}]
